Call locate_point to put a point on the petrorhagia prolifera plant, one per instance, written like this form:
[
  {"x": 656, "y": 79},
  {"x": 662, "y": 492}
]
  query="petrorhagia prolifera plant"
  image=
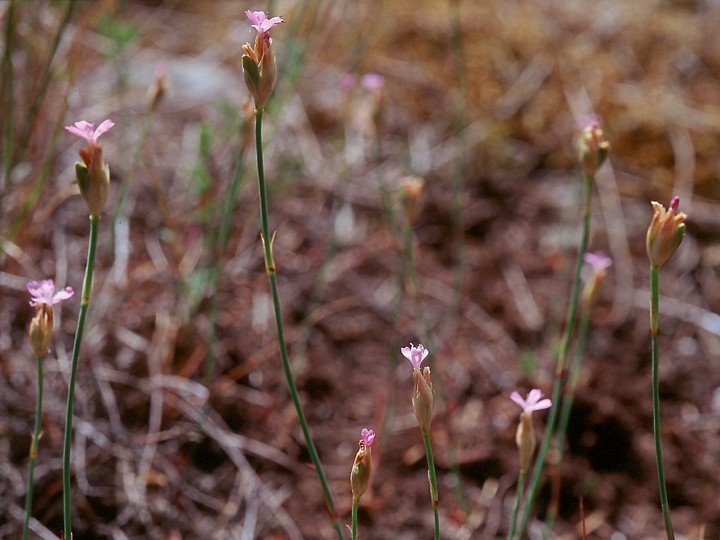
[
  {"x": 93, "y": 176},
  {"x": 423, "y": 401},
  {"x": 664, "y": 235},
  {"x": 43, "y": 298},
  {"x": 360, "y": 473},
  {"x": 526, "y": 442},
  {"x": 260, "y": 73},
  {"x": 593, "y": 150}
]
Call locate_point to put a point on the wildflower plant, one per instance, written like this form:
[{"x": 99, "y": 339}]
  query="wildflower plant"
[
  {"x": 93, "y": 176},
  {"x": 526, "y": 441},
  {"x": 593, "y": 150},
  {"x": 664, "y": 235},
  {"x": 260, "y": 73},
  {"x": 43, "y": 298},
  {"x": 423, "y": 401},
  {"x": 360, "y": 473}
]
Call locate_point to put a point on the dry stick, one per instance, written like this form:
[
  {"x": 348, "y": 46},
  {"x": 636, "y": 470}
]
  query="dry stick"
[{"x": 271, "y": 272}]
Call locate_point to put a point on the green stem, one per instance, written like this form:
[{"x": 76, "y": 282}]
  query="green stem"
[
  {"x": 355, "y": 504},
  {"x": 516, "y": 506},
  {"x": 560, "y": 366},
  {"x": 654, "y": 332},
  {"x": 85, "y": 300},
  {"x": 272, "y": 277},
  {"x": 33, "y": 450},
  {"x": 432, "y": 477}
]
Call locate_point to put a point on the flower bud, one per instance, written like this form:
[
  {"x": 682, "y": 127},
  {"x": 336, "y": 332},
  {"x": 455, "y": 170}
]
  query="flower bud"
[
  {"x": 599, "y": 264},
  {"x": 258, "y": 62},
  {"x": 665, "y": 233},
  {"x": 412, "y": 193},
  {"x": 592, "y": 149},
  {"x": 525, "y": 439},
  {"x": 41, "y": 330},
  {"x": 362, "y": 466},
  {"x": 423, "y": 399},
  {"x": 93, "y": 179}
]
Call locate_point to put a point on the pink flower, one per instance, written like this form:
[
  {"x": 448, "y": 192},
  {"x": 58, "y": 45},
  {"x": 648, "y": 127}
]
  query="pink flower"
[
  {"x": 598, "y": 261},
  {"x": 260, "y": 22},
  {"x": 367, "y": 436},
  {"x": 43, "y": 292},
  {"x": 85, "y": 130},
  {"x": 534, "y": 401},
  {"x": 372, "y": 81},
  {"x": 415, "y": 354}
]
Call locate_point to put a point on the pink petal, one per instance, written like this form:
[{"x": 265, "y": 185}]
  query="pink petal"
[
  {"x": 64, "y": 294},
  {"x": 517, "y": 398},
  {"x": 102, "y": 128},
  {"x": 82, "y": 129},
  {"x": 367, "y": 436}
]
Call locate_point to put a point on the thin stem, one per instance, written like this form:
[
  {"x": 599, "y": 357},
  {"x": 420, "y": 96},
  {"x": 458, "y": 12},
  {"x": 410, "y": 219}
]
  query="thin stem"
[
  {"x": 353, "y": 529},
  {"x": 272, "y": 277},
  {"x": 516, "y": 506},
  {"x": 654, "y": 332},
  {"x": 560, "y": 366},
  {"x": 432, "y": 478},
  {"x": 33, "y": 450},
  {"x": 84, "y": 302}
]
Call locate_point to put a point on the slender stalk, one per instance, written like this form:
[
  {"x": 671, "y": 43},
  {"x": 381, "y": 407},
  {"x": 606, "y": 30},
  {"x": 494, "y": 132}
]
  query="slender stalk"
[
  {"x": 33, "y": 450},
  {"x": 432, "y": 478},
  {"x": 516, "y": 506},
  {"x": 654, "y": 332},
  {"x": 84, "y": 302},
  {"x": 353, "y": 529},
  {"x": 560, "y": 366},
  {"x": 271, "y": 271}
]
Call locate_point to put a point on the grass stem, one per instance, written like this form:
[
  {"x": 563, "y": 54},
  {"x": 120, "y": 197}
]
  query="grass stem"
[{"x": 33, "y": 450}]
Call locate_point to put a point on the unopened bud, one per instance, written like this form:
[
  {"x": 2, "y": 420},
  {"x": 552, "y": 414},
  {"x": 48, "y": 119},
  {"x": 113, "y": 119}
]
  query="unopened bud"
[
  {"x": 592, "y": 149},
  {"x": 665, "y": 233},
  {"x": 158, "y": 89},
  {"x": 599, "y": 264},
  {"x": 413, "y": 188}
]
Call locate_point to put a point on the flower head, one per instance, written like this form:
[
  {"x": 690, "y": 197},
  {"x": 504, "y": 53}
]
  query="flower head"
[
  {"x": 525, "y": 436},
  {"x": 599, "y": 263},
  {"x": 592, "y": 148},
  {"x": 415, "y": 354},
  {"x": 367, "y": 436},
  {"x": 42, "y": 326},
  {"x": 260, "y": 22},
  {"x": 93, "y": 175},
  {"x": 43, "y": 292},
  {"x": 258, "y": 62},
  {"x": 666, "y": 231},
  {"x": 533, "y": 402},
  {"x": 86, "y": 130},
  {"x": 362, "y": 466},
  {"x": 372, "y": 81}
]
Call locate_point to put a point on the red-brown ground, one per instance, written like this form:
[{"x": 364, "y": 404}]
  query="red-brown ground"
[{"x": 159, "y": 452}]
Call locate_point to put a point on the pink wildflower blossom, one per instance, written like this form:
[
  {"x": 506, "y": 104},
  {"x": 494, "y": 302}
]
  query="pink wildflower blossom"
[
  {"x": 372, "y": 81},
  {"x": 533, "y": 402},
  {"x": 415, "y": 354},
  {"x": 260, "y": 22},
  {"x": 367, "y": 436},
  {"x": 43, "y": 292},
  {"x": 598, "y": 261},
  {"x": 85, "y": 130}
]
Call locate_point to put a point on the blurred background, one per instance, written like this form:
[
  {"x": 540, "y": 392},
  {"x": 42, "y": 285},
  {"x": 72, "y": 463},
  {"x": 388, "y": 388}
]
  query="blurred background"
[{"x": 184, "y": 427}]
